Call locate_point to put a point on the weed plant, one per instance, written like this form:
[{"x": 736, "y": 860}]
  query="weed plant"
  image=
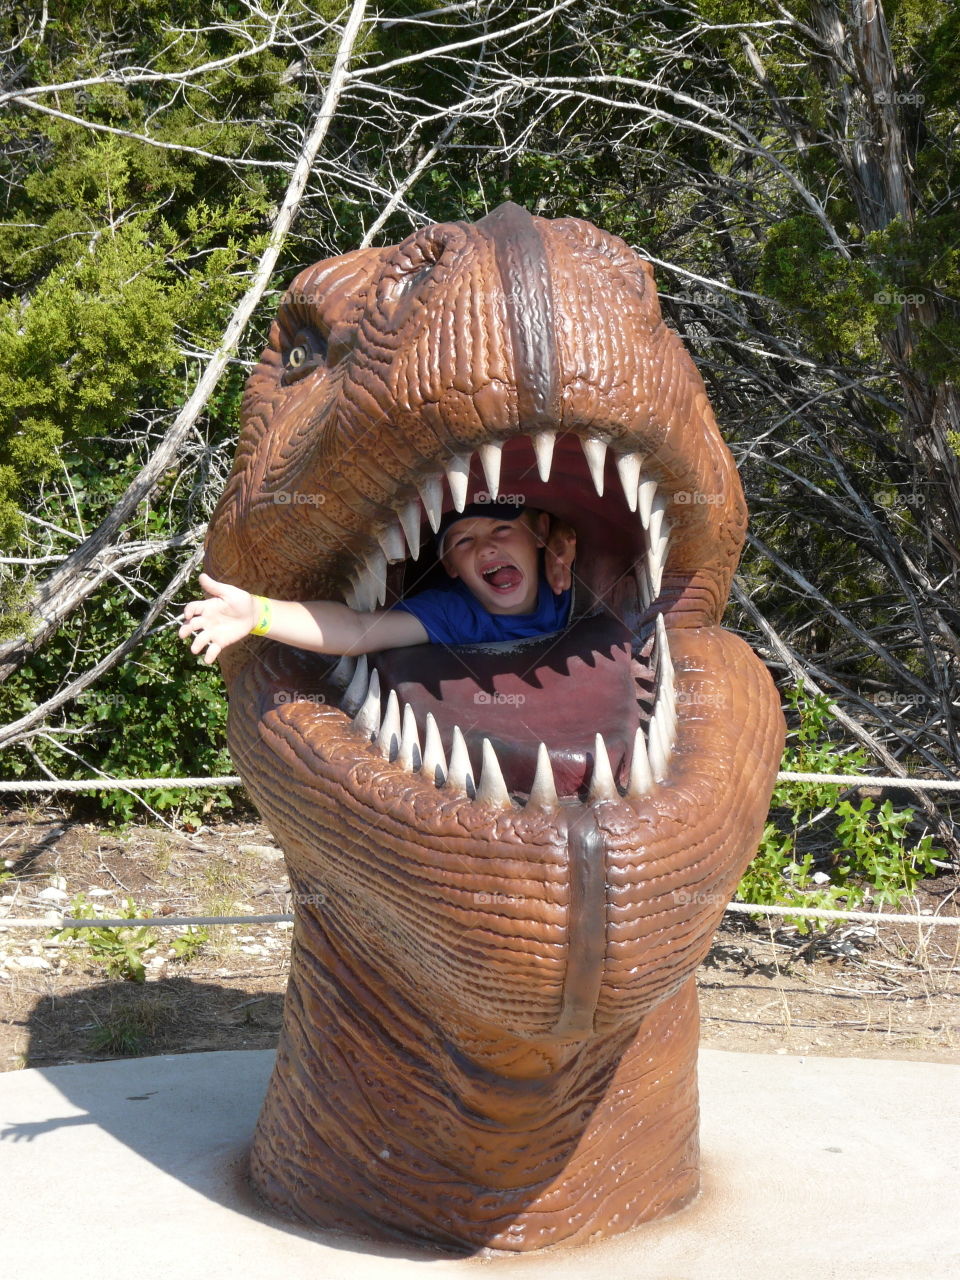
[{"x": 817, "y": 851}]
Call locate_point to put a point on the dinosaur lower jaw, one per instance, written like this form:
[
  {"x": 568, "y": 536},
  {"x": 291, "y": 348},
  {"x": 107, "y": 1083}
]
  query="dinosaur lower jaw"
[
  {"x": 585, "y": 715},
  {"x": 547, "y": 921}
]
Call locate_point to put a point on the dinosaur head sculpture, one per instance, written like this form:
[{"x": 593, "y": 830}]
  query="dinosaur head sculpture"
[{"x": 507, "y": 860}]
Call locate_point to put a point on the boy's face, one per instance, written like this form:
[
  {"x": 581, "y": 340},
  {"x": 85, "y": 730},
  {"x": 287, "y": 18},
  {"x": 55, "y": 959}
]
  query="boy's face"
[{"x": 497, "y": 559}]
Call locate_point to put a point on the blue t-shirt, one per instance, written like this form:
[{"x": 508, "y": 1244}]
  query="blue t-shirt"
[{"x": 454, "y": 615}]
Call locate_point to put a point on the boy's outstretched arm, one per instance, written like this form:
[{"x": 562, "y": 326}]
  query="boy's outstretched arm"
[{"x": 324, "y": 626}]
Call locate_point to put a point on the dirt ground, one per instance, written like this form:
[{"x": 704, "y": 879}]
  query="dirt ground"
[{"x": 855, "y": 991}]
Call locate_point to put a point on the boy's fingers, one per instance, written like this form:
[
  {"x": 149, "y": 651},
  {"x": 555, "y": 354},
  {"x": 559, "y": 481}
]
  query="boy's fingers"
[
  {"x": 211, "y": 586},
  {"x": 191, "y": 624}
]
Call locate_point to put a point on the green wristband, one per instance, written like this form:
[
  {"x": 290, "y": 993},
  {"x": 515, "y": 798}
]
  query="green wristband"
[{"x": 262, "y": 627}]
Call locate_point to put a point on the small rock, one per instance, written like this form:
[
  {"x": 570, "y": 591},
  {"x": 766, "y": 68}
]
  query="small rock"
[
  {"x": 820, "y": 877},
  {"x": 53, "y": 894},
  {"x": 95, "y": 892},
  {"x": 58, "y": 882},
  {"x": 30, "y": 962},
  {"x": 261, "y": 851}
]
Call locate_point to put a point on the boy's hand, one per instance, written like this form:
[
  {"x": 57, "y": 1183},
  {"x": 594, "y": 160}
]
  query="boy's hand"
[
  {"x": 561, "y": 547},
  {"x": 225, "y": 617}
]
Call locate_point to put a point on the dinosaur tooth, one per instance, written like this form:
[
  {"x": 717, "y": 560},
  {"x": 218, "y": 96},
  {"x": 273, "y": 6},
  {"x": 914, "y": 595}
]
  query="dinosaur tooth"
[
  {"x": 641, "y": 779},
  {"x": 356, "y": 690},
  {"x": 365, "y": 590},
  {"x": 458, "y": 477},
  {"x": 367, "y": 719},
  {"x": 663, "y": 732},
  {"x": 658, "y": 750},
  {"x": 430, "y": 489},
  {"x": 410, "y": 755},
  {"x": 543, "y": 443},
  {"x": 409, "y": 516},
  {"x": 647, "y": 592},
  {"x": 460, "y": 775},
  {"x": 376, "y": 565},
  {"x": 388, "y": 739},
  {"x": 602, "y": 784},
  {"x": 434, "y": 760},
  {"x": 391, "y": 542},
  {"x": 595, "y": 452},
  {"x": 646, "y": 492},
  {"x": 663, "y": 652},
  {"x": 656, "y": 558},
  {"x": 544, "y": 789},
  {"x": 657, "y": 513},
  {"x": 342, "y": 672},
  {"x": 628, "y": 467},
  {"x": 490, "y": 455},
  {"x": 492, "y": 789}
]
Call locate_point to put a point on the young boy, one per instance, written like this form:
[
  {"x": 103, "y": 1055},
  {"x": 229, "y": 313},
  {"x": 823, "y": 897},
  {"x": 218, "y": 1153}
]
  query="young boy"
[{"x": 503, "y": 589}]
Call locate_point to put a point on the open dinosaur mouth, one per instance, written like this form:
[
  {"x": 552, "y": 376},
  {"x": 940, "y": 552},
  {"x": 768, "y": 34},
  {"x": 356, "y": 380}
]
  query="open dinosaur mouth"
[{"x": 583, "y": 714}]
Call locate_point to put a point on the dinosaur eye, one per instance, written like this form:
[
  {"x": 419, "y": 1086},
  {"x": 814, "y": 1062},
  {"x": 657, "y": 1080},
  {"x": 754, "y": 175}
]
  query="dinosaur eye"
[{"x": 308, "y": 354}]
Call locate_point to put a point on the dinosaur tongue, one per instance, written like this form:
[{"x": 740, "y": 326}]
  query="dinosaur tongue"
[{"x": 561, "y": 690}]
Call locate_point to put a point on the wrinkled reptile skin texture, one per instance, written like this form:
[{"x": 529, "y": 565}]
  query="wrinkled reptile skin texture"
[{"x": 490, "y": 1031}]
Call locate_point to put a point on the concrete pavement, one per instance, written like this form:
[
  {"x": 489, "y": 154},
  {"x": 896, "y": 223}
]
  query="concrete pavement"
[{"x": 826, "y": 1167}]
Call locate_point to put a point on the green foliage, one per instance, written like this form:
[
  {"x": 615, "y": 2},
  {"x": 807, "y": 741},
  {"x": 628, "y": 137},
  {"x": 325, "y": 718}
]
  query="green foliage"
[
  {"x": 119, "y": 949},
  {"x": 871, "y": 856},
  {"x": 113, "y": 251},
  {"x": 840, "y": 305},
  {"x": 134, "y": 1026},
  {"x": 187, "y": 946}
]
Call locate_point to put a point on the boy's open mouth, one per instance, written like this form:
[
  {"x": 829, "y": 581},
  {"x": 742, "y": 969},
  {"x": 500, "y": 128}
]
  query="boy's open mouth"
[{"x": 503, "y": 577}]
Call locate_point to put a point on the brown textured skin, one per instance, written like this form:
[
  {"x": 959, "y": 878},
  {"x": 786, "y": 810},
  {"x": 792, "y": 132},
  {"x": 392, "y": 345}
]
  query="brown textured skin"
[{"x": 491, "y": 1026}]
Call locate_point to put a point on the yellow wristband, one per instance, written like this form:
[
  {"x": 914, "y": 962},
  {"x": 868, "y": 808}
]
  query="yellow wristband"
[{"x": 262, "y": 627}]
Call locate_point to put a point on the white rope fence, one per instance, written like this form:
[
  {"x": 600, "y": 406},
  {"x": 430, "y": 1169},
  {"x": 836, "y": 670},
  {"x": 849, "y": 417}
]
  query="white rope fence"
[
  {"x": 740, "y": 908},
  {"x": 230, "y": 780},
  {"x": 108, "y": 784},
  {"x": 737, "y": 908}
]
